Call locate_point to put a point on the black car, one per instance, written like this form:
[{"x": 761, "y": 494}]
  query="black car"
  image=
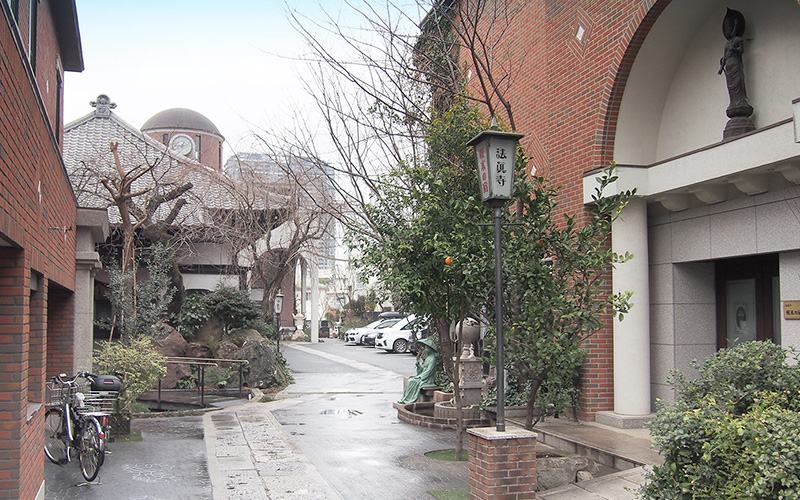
[
  {"x": 324, "y": 328},
  {"x": 369, "y": 339}
]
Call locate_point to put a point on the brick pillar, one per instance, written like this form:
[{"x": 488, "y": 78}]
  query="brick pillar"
[{"x": 502, "y": 465}]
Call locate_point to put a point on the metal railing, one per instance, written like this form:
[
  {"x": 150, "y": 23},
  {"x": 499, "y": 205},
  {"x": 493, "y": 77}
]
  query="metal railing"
[{"x": 202, "y": 363}]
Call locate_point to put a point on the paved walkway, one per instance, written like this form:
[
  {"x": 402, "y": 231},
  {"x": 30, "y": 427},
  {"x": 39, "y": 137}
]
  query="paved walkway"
[{"x": 251, "y": 456}]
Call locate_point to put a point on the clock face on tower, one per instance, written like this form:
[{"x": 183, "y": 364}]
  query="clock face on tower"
[{"x": 181, "y": 144}]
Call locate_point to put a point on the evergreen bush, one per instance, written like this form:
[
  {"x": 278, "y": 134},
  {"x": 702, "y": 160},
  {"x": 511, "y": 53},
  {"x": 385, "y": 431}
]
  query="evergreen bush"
[
  {"x": 734, "y": 431},
  {"x": 137, "y": 360},
  {"x": 194, "y": 314}
]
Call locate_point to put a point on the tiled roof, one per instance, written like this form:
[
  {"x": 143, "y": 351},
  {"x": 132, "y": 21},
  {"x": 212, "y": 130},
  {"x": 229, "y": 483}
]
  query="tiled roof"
[{"x": 88, "y": 158}]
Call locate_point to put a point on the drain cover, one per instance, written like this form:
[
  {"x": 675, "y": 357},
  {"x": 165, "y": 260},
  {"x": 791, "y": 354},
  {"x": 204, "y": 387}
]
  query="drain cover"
[{"x": 341, "y": 413}]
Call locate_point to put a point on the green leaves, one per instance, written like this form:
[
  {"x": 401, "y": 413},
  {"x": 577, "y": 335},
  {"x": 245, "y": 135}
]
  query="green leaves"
[
  {"x": 233, "y": 307},
  {"x": 554, "y": 266},
  {"x": 138, "y": 304},
  {"x": 734, "y": 432},
  {"x": 554, "y": 278},
  {"x": 428, "y": 213},
  {"x": 137, "y": 359}
]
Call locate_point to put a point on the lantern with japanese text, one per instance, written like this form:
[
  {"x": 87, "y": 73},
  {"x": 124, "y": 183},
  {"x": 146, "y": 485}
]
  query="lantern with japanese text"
[{"x": 495, "y": 155}]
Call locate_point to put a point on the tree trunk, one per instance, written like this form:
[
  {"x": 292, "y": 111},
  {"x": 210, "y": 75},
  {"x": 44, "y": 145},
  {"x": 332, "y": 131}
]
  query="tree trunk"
[
  {"x": 529, "y": 407},
  {"x": 451, "y": 368}
]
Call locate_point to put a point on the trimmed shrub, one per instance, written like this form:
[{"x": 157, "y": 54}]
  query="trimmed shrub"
[
  {"x": 137, "y": 360},
  {"x": 734, "y": 432},
  {"x": 194, "y": 314}
]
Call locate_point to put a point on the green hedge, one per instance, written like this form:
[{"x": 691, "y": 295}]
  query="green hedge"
[{"x": 734, "y": 432}]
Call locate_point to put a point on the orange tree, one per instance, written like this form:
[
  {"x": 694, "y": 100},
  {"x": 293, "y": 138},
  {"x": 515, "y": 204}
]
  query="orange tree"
[
  {"x": 433, "y": 250},
  {"x": 553, "y": 289},
  {"x": 429, "y": 212}
]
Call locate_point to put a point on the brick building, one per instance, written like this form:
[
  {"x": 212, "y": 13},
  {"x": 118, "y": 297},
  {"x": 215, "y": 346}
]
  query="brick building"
[
  {"x": 39, "y": 40},
  {"x": 187, "y": 133},
  {"x": 714, "y": 227}
]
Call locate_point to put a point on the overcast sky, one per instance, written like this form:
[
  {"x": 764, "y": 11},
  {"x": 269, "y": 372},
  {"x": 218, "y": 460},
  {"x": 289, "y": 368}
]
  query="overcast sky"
[{"x": 230, "y": 61}]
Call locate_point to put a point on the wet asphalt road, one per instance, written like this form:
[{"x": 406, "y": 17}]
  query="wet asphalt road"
[
  {"x": 351, "y": 432},
  {"x": 168, "y": 464}
]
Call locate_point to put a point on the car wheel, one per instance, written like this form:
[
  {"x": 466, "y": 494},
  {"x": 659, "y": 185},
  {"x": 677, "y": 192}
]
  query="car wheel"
[{"x": 400, "y": 345}]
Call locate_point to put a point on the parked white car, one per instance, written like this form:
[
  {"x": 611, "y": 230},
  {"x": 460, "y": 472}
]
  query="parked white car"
[
  {"x": 356, "y": 335},
  {"x": 398, "y": 337}
]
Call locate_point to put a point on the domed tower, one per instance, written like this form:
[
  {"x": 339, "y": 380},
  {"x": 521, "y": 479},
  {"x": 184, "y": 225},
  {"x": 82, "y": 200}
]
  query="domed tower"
[{"x": 187, "y": 133}]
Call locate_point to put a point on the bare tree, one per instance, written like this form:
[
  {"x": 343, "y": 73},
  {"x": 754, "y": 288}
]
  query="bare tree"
[
  {"x": 135, "y": 216},
  {"x": 144, "y": 190},
  {"x": 278, "y": 209},
  {"x": 380, "y": 76}
]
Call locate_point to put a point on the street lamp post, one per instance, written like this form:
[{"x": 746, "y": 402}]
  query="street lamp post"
[
  {"x": 278, "y": 310},
  {"x": 495, "y": 156}
]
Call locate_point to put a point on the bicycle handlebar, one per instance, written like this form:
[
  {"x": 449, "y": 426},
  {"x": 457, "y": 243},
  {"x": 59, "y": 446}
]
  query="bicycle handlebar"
[{"x": 62, "y": 378}]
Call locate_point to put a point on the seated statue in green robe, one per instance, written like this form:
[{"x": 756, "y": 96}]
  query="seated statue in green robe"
[{"x": 425, "y": 372}]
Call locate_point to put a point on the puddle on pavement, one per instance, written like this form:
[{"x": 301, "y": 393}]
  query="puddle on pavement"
[{"x": 341, "y": 413}]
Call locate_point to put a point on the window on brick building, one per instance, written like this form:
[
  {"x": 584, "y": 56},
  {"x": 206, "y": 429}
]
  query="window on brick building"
[
  {"x": 13, "y": 5},
  {"x": 34, "y": 15},
  {"x": 59, "y": 97}
]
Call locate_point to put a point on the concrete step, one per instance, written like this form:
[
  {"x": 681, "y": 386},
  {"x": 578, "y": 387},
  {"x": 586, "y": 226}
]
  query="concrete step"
[{"x": 620, "y": 449}]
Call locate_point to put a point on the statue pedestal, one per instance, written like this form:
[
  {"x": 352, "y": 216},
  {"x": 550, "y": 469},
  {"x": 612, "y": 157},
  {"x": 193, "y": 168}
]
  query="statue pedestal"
[
  {"x": 500, "y": 462},
  {"x": 470, "y": 380},
  {"x": 299, "y": 321},
  {"x": 738, "y": 125}
]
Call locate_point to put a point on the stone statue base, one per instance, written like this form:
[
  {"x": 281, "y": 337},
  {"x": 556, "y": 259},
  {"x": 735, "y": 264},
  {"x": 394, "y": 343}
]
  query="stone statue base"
[
  {"x": 471, "y": 383},
  {"x": 738, "y": 125}
]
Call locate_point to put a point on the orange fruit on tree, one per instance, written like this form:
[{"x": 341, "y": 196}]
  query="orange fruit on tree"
[{"x": 448, "y": 260}]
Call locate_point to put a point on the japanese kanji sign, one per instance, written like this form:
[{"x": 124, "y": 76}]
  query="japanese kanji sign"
[{"x": 495, "y": 154}]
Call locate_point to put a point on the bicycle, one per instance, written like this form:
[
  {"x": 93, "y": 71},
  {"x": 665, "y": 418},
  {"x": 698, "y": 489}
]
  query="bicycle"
[{"x": 77, "y": 419}]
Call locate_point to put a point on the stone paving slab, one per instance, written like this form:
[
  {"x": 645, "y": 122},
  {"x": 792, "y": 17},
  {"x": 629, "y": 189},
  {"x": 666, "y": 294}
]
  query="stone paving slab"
[
  {"x": 619, "y": 486},
  {"x": 267, "y": 466}
]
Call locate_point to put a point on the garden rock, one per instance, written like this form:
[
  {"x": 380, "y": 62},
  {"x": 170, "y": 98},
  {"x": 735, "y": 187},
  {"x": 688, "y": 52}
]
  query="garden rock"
[
  {"x": 553, "y": 472},
  {"x": 197, "y": 350},
  {"x": 242, "y": 335},
  {"x": 262, "y": 372},
  {"x": 170, "y": 343},
  {"x": 226, "y": 350},
  {"x": 162, "y": 332}
]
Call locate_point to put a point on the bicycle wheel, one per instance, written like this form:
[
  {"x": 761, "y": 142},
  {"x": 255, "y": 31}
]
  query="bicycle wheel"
[
  {"x": 55, "y": 446},
  {"x": 92, "y": 448}
]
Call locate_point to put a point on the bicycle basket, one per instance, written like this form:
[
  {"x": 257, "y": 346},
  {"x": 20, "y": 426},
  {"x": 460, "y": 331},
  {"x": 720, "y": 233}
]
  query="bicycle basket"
[
  {"x": 98, "y": 403},
  {"x": 57, "y": 394}
]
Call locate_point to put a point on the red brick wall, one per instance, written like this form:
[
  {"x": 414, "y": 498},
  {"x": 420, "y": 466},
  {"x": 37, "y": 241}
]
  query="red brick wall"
[
  {"x": 37, "y": 206},
  {"x": 13, "y": 367},
  {"x": 37, "y": 218},
  {"x": 60, "y": 328},
  {"x": 565, "y": 96}
]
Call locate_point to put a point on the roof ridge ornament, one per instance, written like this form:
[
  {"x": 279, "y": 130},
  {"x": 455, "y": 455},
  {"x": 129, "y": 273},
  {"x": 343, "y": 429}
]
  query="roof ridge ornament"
[{"x": 103, "y": 105}]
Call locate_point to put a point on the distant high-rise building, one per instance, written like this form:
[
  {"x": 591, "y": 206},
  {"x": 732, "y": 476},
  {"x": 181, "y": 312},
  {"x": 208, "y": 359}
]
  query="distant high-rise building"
[{"x": 314, "y": 178}]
